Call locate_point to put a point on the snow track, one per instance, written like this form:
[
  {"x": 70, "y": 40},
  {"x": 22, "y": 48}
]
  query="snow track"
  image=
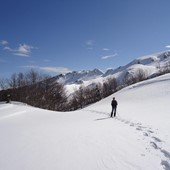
[
  {"x": 150, "y": 136},
  {"x": 153, "y": 143}
]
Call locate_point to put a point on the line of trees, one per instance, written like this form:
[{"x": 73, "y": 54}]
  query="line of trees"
[
  {"x": 88, "y": 95},
  {"x": 18, "y": 80},
  {"x": 35, "y": 89}
]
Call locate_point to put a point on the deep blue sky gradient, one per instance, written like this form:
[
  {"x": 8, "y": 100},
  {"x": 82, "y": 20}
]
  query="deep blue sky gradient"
[{"x": 65, "y": 35}]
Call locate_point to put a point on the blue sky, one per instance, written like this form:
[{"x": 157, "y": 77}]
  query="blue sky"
[{"x": 58, "y": 36}]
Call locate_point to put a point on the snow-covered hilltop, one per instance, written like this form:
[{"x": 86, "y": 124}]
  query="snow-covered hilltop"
[{"x": 150, "y": 64}]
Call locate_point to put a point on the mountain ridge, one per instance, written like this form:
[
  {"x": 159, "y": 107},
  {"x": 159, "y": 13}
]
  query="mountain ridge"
[{"x": 150, "y": 64}]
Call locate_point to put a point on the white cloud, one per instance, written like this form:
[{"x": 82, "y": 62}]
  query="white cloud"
[
  {"x": 21, "y": 54},
  {"x": 4, "y": 42},
  {"x": 57, "y": 70},
  {"x": 90, "y": 44},
  {"x": 168, "y": 46},
  {"x": 109, "y": 56},
  {"x": 61, "y": 70},
  {"x": 105, "y": 49},
  {"x": 7, "y": 48},
  {"x": 22, "y": 50}
]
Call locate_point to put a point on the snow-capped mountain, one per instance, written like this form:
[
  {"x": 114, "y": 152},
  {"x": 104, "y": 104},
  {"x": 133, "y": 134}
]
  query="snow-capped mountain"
[
  {"x": 149, "y": 64},
  {"x": 77, "y": 77}
]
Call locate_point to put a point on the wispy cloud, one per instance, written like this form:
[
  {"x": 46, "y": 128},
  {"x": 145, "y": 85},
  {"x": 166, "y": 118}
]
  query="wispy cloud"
[
  {"x": 22, "y": 50},
  {"x": 90, "y": 44},
  {"x": 4, "y": 42},
  {"x": 61, "y": 70},
  {"x": 105, "y": 49},
  {"x": 168, "y": 46},
  {"x": 109, "y": 56},
  {"x": 7, "y": 48},
  {"x": 57, "y": 70}
]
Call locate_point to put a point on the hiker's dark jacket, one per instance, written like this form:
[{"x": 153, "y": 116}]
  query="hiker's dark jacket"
[{"x": 114, "y": 103}]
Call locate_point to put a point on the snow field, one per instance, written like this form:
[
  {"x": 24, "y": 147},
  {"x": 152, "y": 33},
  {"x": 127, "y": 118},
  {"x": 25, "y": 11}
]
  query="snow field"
[{"x": 137, "y": 139}]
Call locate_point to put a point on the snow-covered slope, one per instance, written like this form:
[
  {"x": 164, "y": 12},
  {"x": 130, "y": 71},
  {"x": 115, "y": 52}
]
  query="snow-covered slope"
[{"x": 138, "y": 139}]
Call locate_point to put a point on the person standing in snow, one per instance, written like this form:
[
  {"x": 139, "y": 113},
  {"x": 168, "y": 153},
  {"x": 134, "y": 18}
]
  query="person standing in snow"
[{"x": 114, "y": 107}]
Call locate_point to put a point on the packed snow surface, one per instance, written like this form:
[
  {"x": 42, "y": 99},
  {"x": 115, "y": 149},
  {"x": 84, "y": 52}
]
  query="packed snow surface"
[{"x": 88, "y": 139}]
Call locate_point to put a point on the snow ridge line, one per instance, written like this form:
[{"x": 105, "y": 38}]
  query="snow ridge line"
[
  {"x": 149, "y": 82},
  {"x": 147, "y": 132}
]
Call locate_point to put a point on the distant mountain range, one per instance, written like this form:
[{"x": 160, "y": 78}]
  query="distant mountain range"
[
  {"x": 150, "y": 64},
  {"x": 77, "y": 77}
]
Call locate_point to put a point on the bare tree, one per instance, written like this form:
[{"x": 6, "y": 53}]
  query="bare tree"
[
  {"x": 21, "y": 80},
  {"x": 109, "y": 87},
  {"x": 32, "y": 77},
  {"x": 3, "y": 84},
  {"x": 140, "y": 75},
  {"x": 12, "y": 82}
]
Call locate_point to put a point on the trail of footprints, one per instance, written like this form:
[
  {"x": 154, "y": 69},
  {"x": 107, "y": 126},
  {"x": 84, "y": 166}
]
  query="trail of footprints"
[{"x": 154, "y": 141}]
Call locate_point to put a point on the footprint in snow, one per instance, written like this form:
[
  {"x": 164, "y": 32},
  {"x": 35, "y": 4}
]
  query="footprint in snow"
[
  {"x": 166, "y": 153},
  {"x": 165, "y": 164},
  {"x": 145, "y": 134},
  {"x": 154, "y": 145},
  {"x": 127, "y": 122},
  {"x": 132, "y": 124},
  {"x": 150, "y": 131},
  {"x": 156, "y": 139},
  {"x": 138, "y": 128}
]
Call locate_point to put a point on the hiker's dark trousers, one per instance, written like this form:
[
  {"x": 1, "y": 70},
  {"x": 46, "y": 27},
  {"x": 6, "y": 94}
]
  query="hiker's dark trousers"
[{"x": 113, "y": 110}]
